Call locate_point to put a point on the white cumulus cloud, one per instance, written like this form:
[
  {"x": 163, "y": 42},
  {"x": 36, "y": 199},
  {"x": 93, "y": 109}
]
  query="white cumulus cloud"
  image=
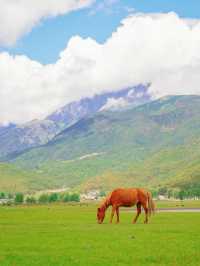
[
  {"x": 160, "y": 49},
  {"x": 18, "y": 17}
]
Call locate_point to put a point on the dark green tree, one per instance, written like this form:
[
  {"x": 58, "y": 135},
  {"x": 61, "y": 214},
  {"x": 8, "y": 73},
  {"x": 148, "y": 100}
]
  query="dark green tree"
[
  {"x": 162, "y": 191},
  {"x": 19, "y": 198},
  {"x": 2, "y": 195},
  {"x": 75, "y": 197},
  {"x": 66, "y": 197},
  {"x": 30, "y": 200},
  {"x": 53, "y": 197},
  {"x": 181, "y": 194},
  {"x": 102, "y": 194},
  {"x": 43, "y": 198}
]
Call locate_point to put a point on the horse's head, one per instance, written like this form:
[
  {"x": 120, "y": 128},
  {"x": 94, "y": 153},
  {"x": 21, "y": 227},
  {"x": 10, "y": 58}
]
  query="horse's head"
[{"x": 100, "y": 215}]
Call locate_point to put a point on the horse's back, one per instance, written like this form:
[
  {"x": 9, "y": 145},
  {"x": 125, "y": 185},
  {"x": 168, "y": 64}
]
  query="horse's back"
[{"x": 124, "y": 196}]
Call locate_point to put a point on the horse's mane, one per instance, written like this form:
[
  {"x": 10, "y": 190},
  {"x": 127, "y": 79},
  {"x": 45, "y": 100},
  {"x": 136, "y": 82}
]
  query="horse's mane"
[{"x": 106, "y": 202}]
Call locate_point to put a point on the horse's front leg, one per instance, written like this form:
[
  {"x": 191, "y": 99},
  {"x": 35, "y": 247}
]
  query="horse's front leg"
[{"x": 112, "y": 213}]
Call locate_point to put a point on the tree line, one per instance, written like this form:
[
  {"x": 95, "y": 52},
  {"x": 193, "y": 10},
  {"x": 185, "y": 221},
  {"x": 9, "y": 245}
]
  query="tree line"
[
  {"x": 185, "y": 192},
  {"x": 20, "y": 198}
]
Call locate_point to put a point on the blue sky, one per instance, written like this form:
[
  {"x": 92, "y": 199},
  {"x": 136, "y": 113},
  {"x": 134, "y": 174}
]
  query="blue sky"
[{"x": 50, "y": 37}]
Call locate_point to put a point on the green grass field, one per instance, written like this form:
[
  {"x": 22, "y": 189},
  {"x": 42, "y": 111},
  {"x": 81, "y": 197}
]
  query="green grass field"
[
  {"x": 69, "y": 235},
  {"x": 177, "y": 204}
]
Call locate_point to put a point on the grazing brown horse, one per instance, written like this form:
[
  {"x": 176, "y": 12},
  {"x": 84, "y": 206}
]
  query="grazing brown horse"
[{"x": 127, "y": 197}]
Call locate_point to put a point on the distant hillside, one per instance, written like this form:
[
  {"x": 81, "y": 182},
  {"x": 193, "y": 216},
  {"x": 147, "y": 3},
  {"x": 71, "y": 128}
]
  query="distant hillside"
[
  {"x": 18, "y": 138},
  {"x": 15, "y": 139},
  {"x": 153, "y": 144},
  {"x": 13, "y": 179},
  {"x": 73, "y": 112}
]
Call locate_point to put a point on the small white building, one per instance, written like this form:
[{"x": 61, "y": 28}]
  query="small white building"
[
  {"x": 161, "y": 197},
  {"x": 5, "y": 201},
  {"x": 91, "y": 195}
]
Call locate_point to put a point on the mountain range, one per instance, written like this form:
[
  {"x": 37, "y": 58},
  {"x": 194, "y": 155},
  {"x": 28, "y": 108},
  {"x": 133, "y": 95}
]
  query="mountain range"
[
  {"x": 15, "y": 139},
  {"x": 150, "y": 143}
]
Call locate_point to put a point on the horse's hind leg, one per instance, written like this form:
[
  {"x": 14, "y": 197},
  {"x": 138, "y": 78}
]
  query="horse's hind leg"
[
  {"x": 117, "y": 212},
  {"x": 144, "y": 205},
  {"x": 138, "y": 212}
]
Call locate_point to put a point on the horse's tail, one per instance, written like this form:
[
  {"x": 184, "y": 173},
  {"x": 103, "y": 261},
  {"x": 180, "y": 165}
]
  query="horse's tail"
[{"x": 151, "y": 204}]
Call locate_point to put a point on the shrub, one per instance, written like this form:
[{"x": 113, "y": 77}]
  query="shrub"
[
  {"x": 162, "y": 191},
  {"x": 181, "y": 194},
  {"x": 30, "y": 200},
  {"x": 102, "y": 194},
  {"x": 19, "y": 198},
  {"x": 2, "y": 195},
  {"x": 8, "y": 203},
  {"x": 53, "y": 197},
  {"x": 66, "y": 197},
  {"x": 75, "y": 197},
  {"x": 10, "y": 196},
  {"x": 43, "y": 198},
  {"x": 154, "y": 193}
]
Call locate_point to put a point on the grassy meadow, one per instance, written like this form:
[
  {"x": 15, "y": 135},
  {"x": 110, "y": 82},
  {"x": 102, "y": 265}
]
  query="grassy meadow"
[
  {"x": 58, "y": 235},
  {"x": 180, "y": 204}
]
